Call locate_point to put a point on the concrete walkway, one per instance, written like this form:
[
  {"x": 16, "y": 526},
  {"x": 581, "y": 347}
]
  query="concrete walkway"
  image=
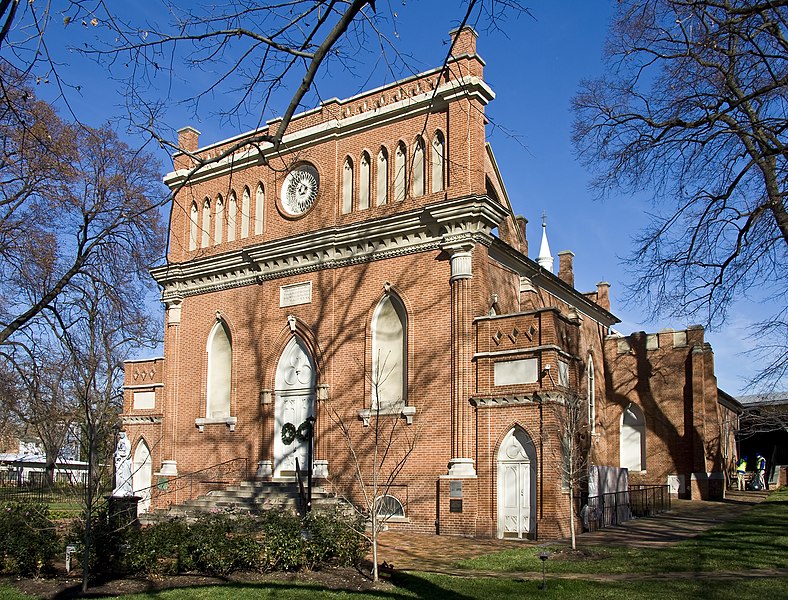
[{"x": 686, "y": 519}]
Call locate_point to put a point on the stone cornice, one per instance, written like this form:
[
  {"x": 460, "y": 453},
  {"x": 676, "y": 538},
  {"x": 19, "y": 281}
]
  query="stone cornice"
[
  {"x": 468, "y": 87},
  {"x": 423, "y": 229}
]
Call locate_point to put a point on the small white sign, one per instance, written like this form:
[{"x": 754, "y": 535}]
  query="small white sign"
[
  {"x": 294, "y": 294},
  {"x": 515, "y": 372},
  {"x": 144, "y": 400}
]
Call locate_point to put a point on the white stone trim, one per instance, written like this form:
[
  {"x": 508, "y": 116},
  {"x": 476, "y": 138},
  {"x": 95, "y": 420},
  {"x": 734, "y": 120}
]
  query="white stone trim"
[
  {"x": 201, "y": 422},
  {"x": 143, "y": 386},
  {"x": 468, "y": 219},
  {"x": 407, "y": 412}
]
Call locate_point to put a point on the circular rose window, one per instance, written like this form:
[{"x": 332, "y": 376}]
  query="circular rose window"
[{"x": 299, "y": 190}]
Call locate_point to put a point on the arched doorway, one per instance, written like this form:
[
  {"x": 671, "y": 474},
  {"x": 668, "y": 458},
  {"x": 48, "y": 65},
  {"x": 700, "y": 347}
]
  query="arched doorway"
[
  {"x": 516, "y": 486},
  {"x": 633, "y": 438},
  {"x": 294, "y": 403},
  {"x": 142, "y": 476}
]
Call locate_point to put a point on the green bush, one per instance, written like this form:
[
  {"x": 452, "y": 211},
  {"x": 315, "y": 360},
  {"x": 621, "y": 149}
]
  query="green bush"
[
  {"x": 161, "y": 549},
  {"x": 221, "y": 543},
  {"x": 334, "y": 538},
  {"x": 28, "y": 541}
]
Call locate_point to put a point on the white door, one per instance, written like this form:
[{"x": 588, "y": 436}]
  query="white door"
[
  {"x": 142, "y": 476},
  {"x": 294, "y": 402},
  {"x": 516, "y": 486}
]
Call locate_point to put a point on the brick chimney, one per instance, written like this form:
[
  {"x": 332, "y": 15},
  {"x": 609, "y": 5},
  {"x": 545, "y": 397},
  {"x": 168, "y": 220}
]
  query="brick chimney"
[
  {"x": 521, "y": 223},
  {"x": 565, "y": 272},
  {"x": 188, "y": 139},
  {"x": 466, "y": 40},
  {"x": 603, "y": 295}
]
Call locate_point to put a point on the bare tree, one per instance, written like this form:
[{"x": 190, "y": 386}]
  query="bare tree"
[
  {"x": 73, "y": 201},
  {"x": 568, "y": 415},
  {"x": 693, "y": 109},
  {"x": 378, "y": 453}
]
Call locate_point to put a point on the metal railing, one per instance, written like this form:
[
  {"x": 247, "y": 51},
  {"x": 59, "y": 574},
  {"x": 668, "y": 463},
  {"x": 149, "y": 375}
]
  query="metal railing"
[
  {"x": 174, "y": 490},
  {"x": 606, "y": 510}
]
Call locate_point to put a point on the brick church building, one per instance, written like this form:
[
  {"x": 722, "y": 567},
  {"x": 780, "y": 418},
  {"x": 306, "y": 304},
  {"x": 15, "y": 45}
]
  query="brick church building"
[{"x": 372, "y": 275}]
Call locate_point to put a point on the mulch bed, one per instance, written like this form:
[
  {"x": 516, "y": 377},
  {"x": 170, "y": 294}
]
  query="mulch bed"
[{"x": 61, "y": 586}]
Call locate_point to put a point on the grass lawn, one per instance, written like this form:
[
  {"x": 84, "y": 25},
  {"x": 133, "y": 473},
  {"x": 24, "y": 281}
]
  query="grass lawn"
[
  {"x": 758, "y": 539},
  {"x": 421, "y": 586}
]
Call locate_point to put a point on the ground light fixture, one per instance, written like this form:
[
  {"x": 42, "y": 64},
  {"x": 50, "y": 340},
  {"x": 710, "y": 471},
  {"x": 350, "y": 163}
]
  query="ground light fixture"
[{"x": 543, "y": 556}]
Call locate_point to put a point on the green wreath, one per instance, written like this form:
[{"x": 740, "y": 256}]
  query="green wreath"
[
  {"x": 304, "y": 431},
  {"x": 288, "y": 433}
]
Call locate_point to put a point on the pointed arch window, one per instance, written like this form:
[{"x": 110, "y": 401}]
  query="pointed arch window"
[
  {"x": 347, "y": 186},
  {"x": 633, "y": 438},
  {"x": 206, "y": 224},
  {"x": 218, "y": 234},
  {"x": 389, "y": 355},
  {"x": 418, "y": 168},
  {"x": 591, "y": 395},
  {"x": 363, "y": 182},
  {"x": 438, "y": 162},
  {"x": 220, "y": 370},
  {"x": 245, "y": 212},
  {"x": 194, "y": 225},
  {"x": 382, "y": 180},
  {"x": 399, "y": 172},
  {"x": 142, "y": 475},
  {"x": 259, "y": 201},
  {"x": 232, "y": 217}
]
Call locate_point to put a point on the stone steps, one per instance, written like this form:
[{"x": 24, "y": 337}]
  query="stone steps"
[{"x": 244, "y": 498}]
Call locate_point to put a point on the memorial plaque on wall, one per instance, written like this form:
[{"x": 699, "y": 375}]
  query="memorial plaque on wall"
[
  {"x": 295, "y": 294},
  {"x": 455, "y": 506}
]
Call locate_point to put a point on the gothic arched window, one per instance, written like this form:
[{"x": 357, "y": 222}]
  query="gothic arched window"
[
  {"x": 194, "y": 218},
  {"x": 363, "y": 182},
  {"x": 220, "y": 369},
  {"x": 219, "y": 225},
  {"x": 389, "y": 355},
  {"x": 438, "y": 162},
  {"x": 232, "y": 217},
  {"x": 382, "y": 181},
  {"x": 347, "y": 186},
  {"x": 419, "y": 172},
  {"x": 259, "y": 202},
  {"x": 400, "y": 167},
  {"x": 591, "y": 390},
  {"x": 246, "y": 209},
  {"x": 206, "y": 224}
]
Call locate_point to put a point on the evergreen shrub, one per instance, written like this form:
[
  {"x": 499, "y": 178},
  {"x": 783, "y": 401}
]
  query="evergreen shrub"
[{"x": 28, "y": 540}]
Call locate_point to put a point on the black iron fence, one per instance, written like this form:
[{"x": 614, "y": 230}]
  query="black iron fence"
[
  {"x": 605, "y": 510},
  {"x": 38, "y": 489}
]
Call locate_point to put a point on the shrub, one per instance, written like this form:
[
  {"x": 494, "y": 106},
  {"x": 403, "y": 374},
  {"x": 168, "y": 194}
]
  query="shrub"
[
  {"x": 161, "y": 549},
  {"x": 284, "y": 545},
  {"x": 28, "y": 542},
  {"x": 334, "y": 538}
]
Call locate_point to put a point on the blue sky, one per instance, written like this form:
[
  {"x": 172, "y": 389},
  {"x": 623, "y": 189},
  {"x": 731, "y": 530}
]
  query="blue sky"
[{"x": 534, "y": 64}]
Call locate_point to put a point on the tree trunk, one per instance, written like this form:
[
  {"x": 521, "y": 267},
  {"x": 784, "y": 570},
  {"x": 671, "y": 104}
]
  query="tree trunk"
[{"x": 572, "y": 516}]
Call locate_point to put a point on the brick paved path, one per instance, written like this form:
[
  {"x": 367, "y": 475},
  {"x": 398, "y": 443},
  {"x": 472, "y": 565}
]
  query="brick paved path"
[{"x": 686, "y": 519}]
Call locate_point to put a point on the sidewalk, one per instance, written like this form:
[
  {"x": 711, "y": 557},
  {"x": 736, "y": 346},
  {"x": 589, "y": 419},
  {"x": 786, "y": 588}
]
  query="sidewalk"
[{"x": 686, "y": 519}]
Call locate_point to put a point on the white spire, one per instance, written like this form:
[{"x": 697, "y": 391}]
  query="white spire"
[{"x": 545, "y": 259}]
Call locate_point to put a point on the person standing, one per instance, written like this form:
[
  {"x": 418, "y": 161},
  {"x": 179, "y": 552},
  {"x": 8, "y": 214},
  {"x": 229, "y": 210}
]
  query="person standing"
[
  {"x": 741, "y": 471},
  {"x": 760, "y": 469}
]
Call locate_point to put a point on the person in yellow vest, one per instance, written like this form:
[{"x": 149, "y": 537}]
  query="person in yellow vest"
[
  {"x": 741, "y": 471},
  {"x": 760, "y": 469}
]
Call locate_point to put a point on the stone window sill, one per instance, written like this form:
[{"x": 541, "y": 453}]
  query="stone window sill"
[
  {"x": 230, "y": 422},
  {"x": 406, "y": 411}
]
